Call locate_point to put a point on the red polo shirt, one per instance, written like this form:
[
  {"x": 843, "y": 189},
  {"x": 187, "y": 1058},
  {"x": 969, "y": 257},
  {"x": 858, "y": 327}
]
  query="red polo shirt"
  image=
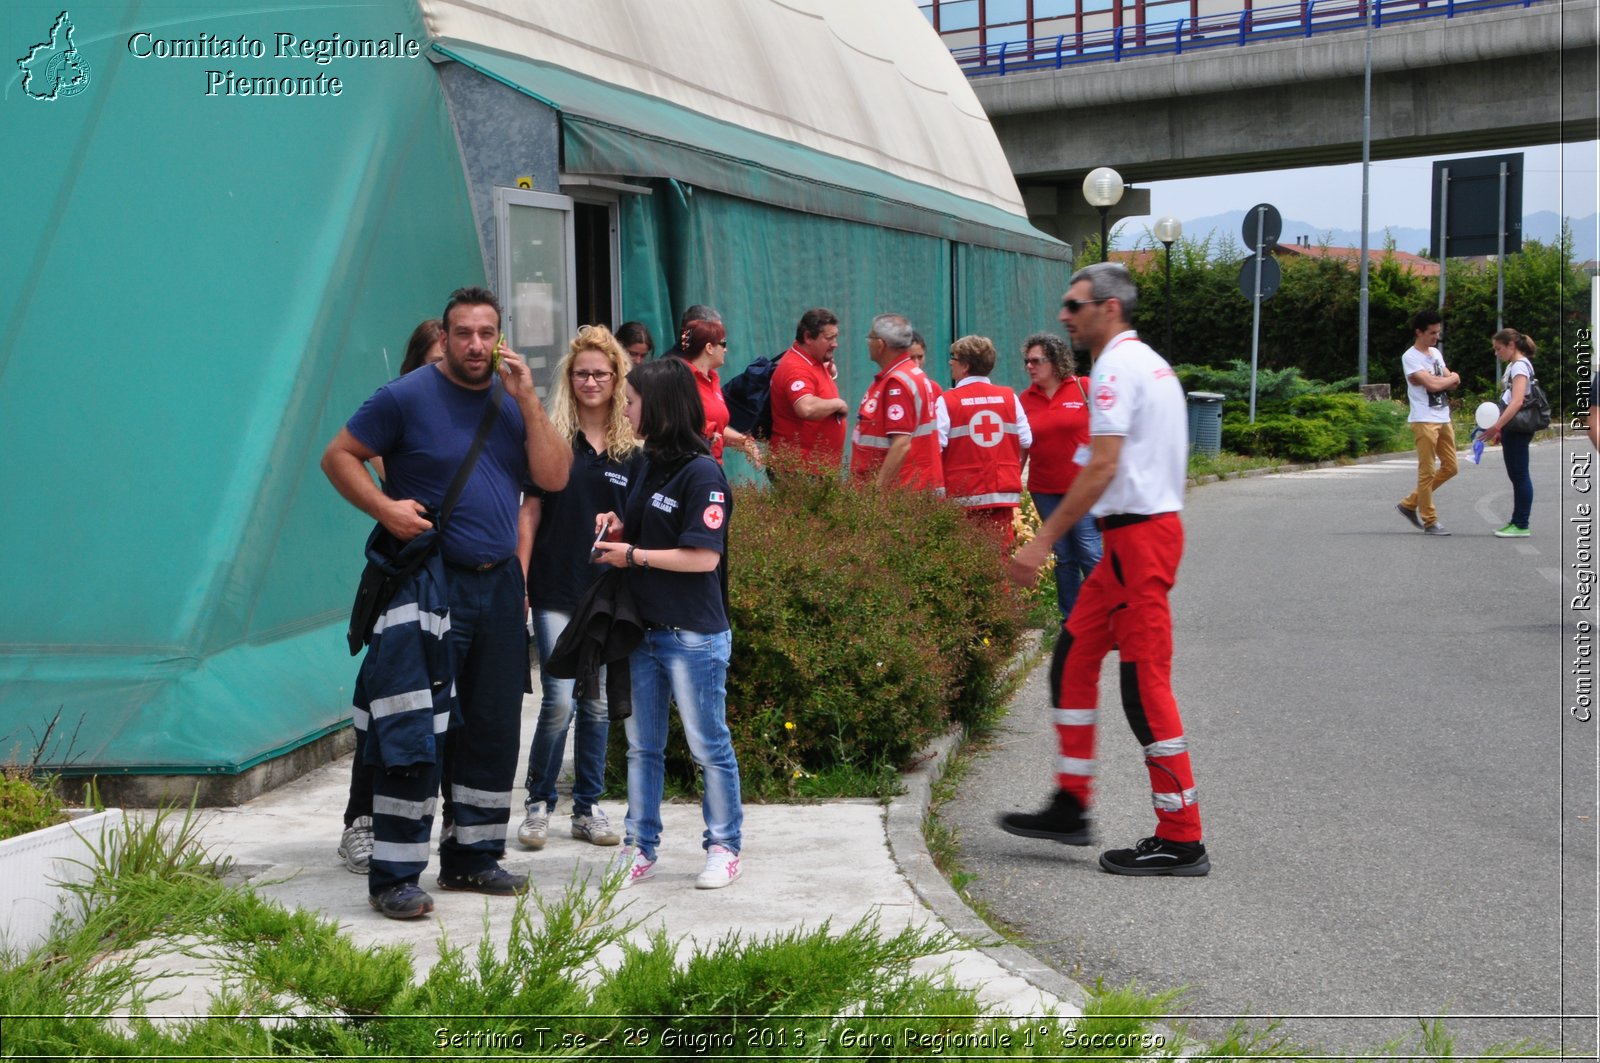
[
  {"x": 1060, "y": 425},
  {"x": 716, "y": 409},
  {"x": 798, "y": 375}
]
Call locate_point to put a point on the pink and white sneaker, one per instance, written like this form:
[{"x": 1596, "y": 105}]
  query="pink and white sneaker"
[
  {"x": 633, "y": 866},
  {"x": 722, "y": 867}
]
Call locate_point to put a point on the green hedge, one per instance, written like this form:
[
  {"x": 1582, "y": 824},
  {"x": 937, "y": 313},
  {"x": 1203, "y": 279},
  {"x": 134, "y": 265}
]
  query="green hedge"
[
  {"x": 1282, "y": 435},
  {"x": 864, "y": 624},
  {"x": 1297, "y": 418}
]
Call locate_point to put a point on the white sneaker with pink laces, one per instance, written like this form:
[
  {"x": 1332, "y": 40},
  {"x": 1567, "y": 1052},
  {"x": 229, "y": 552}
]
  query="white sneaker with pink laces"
[
  {"x": 722, "y": 867},
  {"x": 632, "y": 865}
]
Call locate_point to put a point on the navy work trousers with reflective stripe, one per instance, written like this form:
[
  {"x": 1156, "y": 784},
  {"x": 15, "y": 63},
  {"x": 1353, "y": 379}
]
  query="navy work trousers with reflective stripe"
[{"x": 488, "y": 626}]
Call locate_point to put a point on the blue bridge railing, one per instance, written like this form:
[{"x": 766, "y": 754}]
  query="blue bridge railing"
[{"x": 1233, "y": 29}]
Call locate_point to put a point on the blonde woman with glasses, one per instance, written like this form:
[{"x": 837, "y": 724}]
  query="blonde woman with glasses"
[{"x": 587, "y": 406}]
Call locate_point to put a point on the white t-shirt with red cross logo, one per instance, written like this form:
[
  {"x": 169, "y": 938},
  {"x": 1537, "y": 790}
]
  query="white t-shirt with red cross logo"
[{"x": 1134, "y": 393}]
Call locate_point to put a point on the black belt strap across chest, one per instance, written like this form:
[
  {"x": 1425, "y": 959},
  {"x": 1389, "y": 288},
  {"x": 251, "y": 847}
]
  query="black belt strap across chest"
[{"x": 491, "y": 413}]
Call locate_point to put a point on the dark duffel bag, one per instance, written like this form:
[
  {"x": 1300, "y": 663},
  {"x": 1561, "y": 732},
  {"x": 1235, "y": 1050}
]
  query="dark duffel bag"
[{"x": 390, "y": 563}]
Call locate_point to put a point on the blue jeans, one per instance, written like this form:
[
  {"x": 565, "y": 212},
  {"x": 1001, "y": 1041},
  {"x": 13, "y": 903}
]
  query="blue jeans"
[
  {"x": 555, "y": 716},
  {"x": 1514, "y": 445},
  {"x": 691, "y": 669},
  {"x": 1077, "y": 552}
]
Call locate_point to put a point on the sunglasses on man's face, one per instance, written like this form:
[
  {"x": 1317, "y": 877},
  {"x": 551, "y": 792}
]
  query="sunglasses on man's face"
[{"x": 1072, "y": 306}]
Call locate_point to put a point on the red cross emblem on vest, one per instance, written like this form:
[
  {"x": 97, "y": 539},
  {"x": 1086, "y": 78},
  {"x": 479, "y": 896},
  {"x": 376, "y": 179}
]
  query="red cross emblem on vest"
[{"x": 987, "y": 428}]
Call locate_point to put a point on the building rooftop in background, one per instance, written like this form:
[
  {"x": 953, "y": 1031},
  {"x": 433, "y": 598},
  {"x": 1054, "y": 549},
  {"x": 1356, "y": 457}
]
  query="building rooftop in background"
[
  {"x": 1422, "y": 267},
  {"x": 1145, "y": 258}
]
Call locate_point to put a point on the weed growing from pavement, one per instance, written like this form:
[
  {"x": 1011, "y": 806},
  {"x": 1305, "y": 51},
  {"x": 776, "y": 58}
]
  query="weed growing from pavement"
[
  {"x": 1225, "y": 464},
  {"x": 944, "y": 843},
  {"x": 941, "y": 839}
]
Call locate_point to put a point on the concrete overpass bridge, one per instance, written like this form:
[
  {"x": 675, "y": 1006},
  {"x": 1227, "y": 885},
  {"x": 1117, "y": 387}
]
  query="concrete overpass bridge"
[{"x": 1482, "y": 79}]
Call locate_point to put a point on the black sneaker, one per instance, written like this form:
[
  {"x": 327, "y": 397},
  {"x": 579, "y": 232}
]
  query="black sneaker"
[
  {"x": 1158, "y": 856},
  {"x": 405, "y": 901},
  {"x": 1409, "y": 514},
  {"x": 494, "y": 880},
  {"x": 1064, "y": 820}
]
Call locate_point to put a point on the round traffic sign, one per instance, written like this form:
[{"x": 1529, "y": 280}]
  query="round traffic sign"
[
  {"x": 1271, "y": 223},
  {"x": 1271, "y": 276}
]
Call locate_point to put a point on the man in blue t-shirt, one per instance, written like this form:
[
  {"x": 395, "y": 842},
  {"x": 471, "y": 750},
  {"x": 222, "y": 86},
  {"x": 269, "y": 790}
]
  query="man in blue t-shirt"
[{"x": 422, "y": 426}]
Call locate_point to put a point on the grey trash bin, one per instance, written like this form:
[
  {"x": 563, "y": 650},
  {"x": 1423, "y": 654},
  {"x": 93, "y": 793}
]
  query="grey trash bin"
[{"x": 1205, "y": 422}]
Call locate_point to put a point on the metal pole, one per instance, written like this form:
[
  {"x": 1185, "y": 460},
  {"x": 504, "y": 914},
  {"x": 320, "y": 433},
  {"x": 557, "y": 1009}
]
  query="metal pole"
[
  {"x": 1444, "y": 231},
  {"x": 1366, "y": 181},
  {"x": 1500, "y": 259},
  {"x": 1168, "y": 245},
  {"x": 1255, "y": 325},
  {"x": 1105, "y": 251}
]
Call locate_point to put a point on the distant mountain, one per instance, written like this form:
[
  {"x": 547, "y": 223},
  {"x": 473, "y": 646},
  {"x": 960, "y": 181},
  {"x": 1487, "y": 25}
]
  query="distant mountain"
[{"x": 1543, "y": 225}]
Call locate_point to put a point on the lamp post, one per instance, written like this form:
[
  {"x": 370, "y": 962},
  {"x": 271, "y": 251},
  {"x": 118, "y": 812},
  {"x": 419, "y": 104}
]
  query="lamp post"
[
  {"x": 1103, "y": 189},
  {"x": 1167, "y": 230}
]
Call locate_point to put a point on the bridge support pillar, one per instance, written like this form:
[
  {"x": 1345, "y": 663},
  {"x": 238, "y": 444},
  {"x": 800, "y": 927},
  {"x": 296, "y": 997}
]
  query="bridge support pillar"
[{"x": 1059, "y": 209}]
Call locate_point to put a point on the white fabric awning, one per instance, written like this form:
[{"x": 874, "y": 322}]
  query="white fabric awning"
[{"x": 799, "y": 70}]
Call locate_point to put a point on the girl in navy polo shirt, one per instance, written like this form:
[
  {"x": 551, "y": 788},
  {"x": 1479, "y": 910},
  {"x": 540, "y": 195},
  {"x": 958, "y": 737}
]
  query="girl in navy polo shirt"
[
  {"x": 672, "y": 539},
  {"x": 586, "y": 405}
]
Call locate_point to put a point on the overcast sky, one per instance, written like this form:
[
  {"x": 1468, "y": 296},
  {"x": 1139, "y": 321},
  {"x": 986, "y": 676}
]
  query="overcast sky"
[{"x": 1560, "y": 178}]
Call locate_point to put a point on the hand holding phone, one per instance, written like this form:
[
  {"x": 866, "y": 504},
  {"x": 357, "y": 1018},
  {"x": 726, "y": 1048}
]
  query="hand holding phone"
[{"x": 594, "y": 551}]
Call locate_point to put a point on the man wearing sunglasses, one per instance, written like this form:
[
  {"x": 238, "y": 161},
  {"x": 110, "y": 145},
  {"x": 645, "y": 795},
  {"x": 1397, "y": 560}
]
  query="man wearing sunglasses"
[{"x": 1133, "y": 485}]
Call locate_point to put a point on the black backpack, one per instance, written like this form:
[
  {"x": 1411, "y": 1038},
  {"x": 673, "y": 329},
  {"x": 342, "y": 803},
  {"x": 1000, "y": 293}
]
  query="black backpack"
[{"x": 749, "y": 397}]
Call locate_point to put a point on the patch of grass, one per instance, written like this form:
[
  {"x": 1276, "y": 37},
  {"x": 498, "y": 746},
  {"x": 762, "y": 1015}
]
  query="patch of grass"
[
  {"x": 944, "y": 842},
  {"x": 1226, "y": 464},
  {"x": 880, "y": 781}
]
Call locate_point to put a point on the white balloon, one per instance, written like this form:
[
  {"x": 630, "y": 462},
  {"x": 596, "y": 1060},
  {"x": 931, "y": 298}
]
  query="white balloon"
[{"x": 1488, "y": 413}]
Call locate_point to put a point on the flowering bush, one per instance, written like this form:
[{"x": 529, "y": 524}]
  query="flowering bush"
[{"x": 864, "y": 623}]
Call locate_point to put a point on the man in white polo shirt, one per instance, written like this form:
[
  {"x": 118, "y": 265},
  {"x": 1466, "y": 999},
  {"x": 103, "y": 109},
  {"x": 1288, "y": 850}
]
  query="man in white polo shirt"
[
  {"x": 1428, "y": 385},
  {"x": 1133, "y": 485}
]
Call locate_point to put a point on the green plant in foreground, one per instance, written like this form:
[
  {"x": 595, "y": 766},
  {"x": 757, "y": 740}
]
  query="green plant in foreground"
[
  {"x": 29, "y": 800},
  {"x": 573, "y": 979},
  {"x": 27, "y": 803},
  {"x": 290, "y": 983}
]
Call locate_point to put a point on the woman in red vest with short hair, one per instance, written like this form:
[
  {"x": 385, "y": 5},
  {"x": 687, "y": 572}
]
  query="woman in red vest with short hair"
[{"x": 985, "y": 436}]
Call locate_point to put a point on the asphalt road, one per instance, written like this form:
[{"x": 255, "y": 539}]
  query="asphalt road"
[{"x": 1399, "y": 808}]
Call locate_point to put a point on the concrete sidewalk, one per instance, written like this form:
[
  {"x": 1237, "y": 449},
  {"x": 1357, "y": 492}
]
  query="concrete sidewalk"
[{"x": 837, "y": 861}]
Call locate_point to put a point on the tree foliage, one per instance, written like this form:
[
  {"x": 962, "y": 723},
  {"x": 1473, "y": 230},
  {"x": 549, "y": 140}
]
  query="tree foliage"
[{"x": 1312, "y": 322}]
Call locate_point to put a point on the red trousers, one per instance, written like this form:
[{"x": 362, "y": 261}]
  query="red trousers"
[{"x": 1123, "y": 605}]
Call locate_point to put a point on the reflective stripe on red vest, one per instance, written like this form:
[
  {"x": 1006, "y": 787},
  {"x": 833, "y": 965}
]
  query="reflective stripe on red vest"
[{"x": 983, "y": 461}]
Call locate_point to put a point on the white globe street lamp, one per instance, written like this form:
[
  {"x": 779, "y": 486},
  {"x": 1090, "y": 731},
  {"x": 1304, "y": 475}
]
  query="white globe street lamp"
[
  {"x": 1103, "y": 189},
  {"x": 1167, "y": 230}
]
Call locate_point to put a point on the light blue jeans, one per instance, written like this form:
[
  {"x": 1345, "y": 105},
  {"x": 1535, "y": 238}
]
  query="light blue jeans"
[
  {"x": 1077, "y": 552},
  {"x": 555, "y": 716},
  {"x": 691, "y": 669}
]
